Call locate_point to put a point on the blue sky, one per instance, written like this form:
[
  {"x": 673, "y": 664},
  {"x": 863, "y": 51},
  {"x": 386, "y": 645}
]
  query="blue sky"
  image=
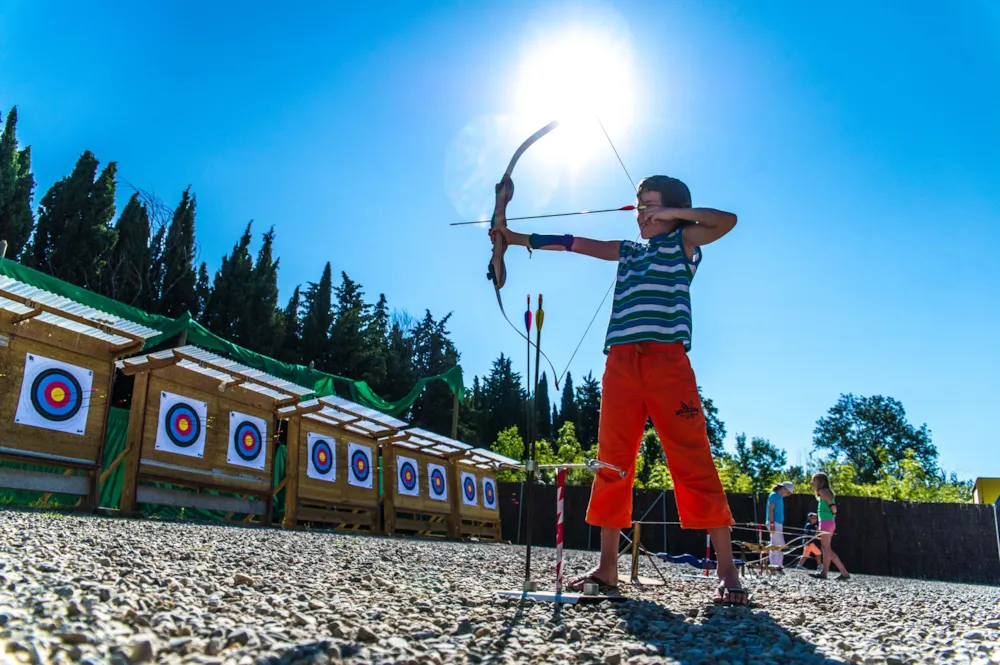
[{"x": 858, "y": 147}]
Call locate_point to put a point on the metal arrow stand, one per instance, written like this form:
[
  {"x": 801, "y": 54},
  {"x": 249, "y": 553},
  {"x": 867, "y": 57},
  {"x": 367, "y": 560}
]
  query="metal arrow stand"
[{"x": 529, "y": 590}]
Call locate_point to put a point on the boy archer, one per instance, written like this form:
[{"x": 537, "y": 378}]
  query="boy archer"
[{"x": 648, "y": 374}]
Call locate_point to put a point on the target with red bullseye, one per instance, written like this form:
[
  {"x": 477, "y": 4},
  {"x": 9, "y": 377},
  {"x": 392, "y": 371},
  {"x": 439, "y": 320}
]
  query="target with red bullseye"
[
  {"x": 359, "y": 459},
  {"x": 322, "y": 462},
  {"x": 437, "y": 480},
  {"x": 489, "y": 493},
  {"x": 181, "y": 427},
  {"x": 406, "y": 468},
  {"x": 469, "y": 489},
  {"x": 247, "y": 441},
  {"x": 54, "y": 395}
]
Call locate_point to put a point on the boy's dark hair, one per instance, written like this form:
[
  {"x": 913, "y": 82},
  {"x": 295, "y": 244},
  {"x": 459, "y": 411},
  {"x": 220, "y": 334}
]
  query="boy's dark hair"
[{"x": 673, "y": 192}]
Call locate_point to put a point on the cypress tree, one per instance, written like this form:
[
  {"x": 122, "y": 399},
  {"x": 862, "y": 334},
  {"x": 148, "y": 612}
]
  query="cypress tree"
[
  {"x": 543, "y": 409},
  {"x": 202, "y": 292},
  {"x": 588, "y": 401},
  {"x": 177, "y": 292},
  {"x": 230, "y": 290},
  {"x": 262, "y": 324},
  {"x": 318, "y": 321},
  {"x": 154, "y": 289},
  {"x": 17, "y": 186},
  {"x": 126, "y": 276},
  {"x": 291, "y": 340},
  {"x": 73, "y": 238}
]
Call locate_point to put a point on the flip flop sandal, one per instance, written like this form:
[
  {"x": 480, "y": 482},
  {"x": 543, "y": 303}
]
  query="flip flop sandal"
[
  {"x": 603, "y": 587},
  {"x": 724, "y": 594}
]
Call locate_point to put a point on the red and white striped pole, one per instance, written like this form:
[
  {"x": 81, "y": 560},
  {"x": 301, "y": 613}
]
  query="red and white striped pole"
[
  {"x": 560, "y": 486},
  {"x": 708, "y": 552}
]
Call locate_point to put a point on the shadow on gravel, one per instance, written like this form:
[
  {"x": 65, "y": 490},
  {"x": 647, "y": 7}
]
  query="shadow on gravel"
[
  {"x": 723, "y": 634},
  {"x": 733, "y": 634}
]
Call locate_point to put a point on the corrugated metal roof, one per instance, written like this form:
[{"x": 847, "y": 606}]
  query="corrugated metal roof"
[
  {"x": 346, "y": 415},
  {"x": 129, "y": 331},
  {"x": 429, "y": 442},
  {"x": 223, "y": 370},
  {"x": 487, "y": 459}
]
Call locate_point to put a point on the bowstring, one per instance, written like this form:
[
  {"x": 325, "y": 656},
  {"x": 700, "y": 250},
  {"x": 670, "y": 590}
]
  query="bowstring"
[{"x": 613, "y": 282}]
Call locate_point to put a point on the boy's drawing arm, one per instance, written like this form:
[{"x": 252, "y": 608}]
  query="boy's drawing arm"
[{"x": 710, "y": 225}]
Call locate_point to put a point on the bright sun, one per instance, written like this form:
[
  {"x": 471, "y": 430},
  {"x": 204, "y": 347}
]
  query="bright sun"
[{"x": 577, "y": 77}]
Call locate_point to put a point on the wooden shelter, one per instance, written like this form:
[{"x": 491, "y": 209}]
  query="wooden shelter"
[
  {"x": 420, "y": 494},
  {"x": 477, "y": 506},
  {"x": 204, "y": 423},
  {"x": 332, "y": 463},
  {"x": 57, "y": 360}
]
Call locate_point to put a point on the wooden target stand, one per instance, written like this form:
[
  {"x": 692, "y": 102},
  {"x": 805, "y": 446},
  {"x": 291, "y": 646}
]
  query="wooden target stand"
[
  {"x": 420, "y": 499},
  {"x": 57, "y": 360},
  {"x": 202, "y": 423},
  {"x": 529, "y": 590},
  {"x": 330, "y": 479},
  {"x": 475, "y": 502}
]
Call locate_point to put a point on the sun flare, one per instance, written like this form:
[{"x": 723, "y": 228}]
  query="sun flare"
[{"x": 577, "y": 77}]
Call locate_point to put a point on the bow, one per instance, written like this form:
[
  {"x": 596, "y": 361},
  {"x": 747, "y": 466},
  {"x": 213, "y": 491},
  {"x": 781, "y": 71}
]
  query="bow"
[{"x": 497, "y": 271}]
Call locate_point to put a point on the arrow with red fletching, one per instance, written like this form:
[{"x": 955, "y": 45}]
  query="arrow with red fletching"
[{"x": 558, "y": 214}]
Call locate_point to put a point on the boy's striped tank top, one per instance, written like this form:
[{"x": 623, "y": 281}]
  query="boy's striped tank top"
[{"x": 652, "y": 300}]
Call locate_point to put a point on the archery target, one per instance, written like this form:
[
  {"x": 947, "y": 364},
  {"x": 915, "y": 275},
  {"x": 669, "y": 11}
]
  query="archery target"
[
  {"x": 54, "y": 395},
  {"x": 322, "y": 462},
  {"x": 469, "y": 489},
  {"x": 247, "y": 441},
  {"x": 437, "y": 479},
  {"x": 489, "y": 494},
  {"x": 181, "y": 427},
  {"x": 359, "y": 461},
  {"x": 406, "y": 470}
]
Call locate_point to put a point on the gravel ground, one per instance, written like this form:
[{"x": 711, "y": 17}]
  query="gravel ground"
[{"x": 95, "y": 590}]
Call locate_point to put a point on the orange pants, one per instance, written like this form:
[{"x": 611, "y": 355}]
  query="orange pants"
[{"x": 651, "y": 379}]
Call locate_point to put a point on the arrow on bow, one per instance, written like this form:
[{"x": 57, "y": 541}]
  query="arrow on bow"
[
  {"x": 556, "y": 214},
  {"x": 497, "y": 271}
]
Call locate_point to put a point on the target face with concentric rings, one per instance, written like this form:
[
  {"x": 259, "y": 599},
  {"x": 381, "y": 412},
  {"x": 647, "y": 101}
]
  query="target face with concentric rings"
[
  {"x": 437, "y": 481},
  {"x": 247, "y": 441},
  {"x": 489, "y": 493},
  {"x": 408, "y": 475},
  {"x": 321, "y": 459},
  {"x": 181, "y": 427},
  {"x": 359, "y": 459},
  {"x": 54, "y": 395},
  {"x": 469, "y": 489}
]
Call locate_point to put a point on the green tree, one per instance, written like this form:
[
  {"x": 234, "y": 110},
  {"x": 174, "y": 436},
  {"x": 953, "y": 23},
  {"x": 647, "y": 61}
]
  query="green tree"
[
  {"x": 873, "y": 435},
  {"x": 503, "y": 399},
  {"x": 231, "y": 288},
  {"x": 126, "y": 275},
  {"x": 400, "y": 373},
  {"x": 650, "y": 455},
  {"x": 202, "y": 292},
  {"x": 263, "y": 322},
  {"x": 291, "y": 339},
  {"x": 509, "y": 443},
  {"x": 588, "y": 403},
  {"x": 434, "y": 353},
  {"x": 377, "y": 341},
  {"x": 151, "y": 300},
  {"x": 543, "y": 409},
  {"x": 317, "y": 320},
  {"x": 568, "y": 411},
  {"x": 760, "y": 460},
  {"x": 177, "y": 292},
  {"x": 353, "y": 354},
  {"x": 17, "y": 186},
  {"x": 73, "y": 238},
  {"x": 716, "y": 428}
]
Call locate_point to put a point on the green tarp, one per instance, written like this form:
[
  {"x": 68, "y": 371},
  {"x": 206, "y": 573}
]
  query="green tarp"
[{"x": 321, "y": 383}]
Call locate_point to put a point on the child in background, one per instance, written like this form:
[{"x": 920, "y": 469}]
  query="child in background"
[
  {"x": 776, "y": 523},
  {"x": 811, "y": 549},
  {"x": 827, "y": 511}
]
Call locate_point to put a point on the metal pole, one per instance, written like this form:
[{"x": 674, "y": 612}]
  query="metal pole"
[{"x": 454, "y": 417}]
